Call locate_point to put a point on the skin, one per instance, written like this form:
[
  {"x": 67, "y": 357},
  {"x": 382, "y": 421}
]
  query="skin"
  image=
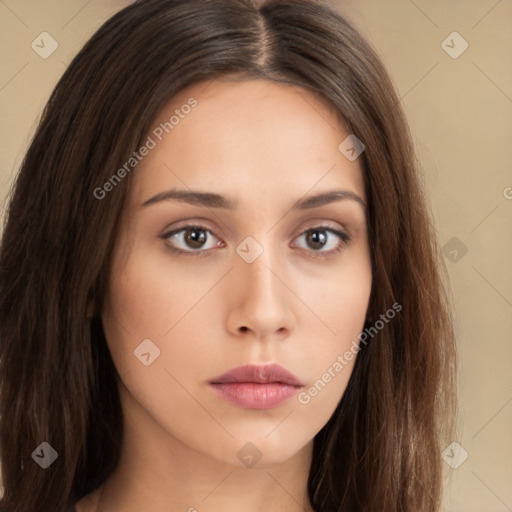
[{"x": 265, "y": 145}]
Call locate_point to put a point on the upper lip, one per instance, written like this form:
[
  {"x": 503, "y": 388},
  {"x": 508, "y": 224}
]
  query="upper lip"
[{"x": 260, "y": 374}]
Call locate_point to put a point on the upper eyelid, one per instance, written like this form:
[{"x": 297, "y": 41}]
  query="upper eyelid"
[
  {"x": 168, "y": 233},
  {"x": 315, "y": 223},
  {"x": 319, "y": 225}
]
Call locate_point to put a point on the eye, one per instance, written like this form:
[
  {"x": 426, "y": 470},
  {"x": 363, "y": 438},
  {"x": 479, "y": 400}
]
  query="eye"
[
  {"x": 324, "y": 240},
  {"x": 190, "y": 239}
]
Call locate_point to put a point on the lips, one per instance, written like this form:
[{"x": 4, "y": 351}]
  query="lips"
[
  {"x": 256, "y": 386},
  {"x": 259, "y": 374}
]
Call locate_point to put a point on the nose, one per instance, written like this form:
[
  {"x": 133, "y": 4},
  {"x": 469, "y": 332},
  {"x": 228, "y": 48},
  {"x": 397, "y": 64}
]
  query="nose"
[{"x": 260, "y": 300}]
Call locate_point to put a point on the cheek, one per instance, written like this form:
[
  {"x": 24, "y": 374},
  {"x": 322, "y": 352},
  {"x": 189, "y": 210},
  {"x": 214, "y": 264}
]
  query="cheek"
[
  {"x": 340, "y": 308},
  {"x": 151, "y": 299},
  {"x": 146, "y": 313},
  {"x": 331, "y": 360},
  {"x": 341, "y": 301},
  {"x": 136, "y": 308},
  {"x": 137, "y": 302},
  {"x": 149, "y": 294}
]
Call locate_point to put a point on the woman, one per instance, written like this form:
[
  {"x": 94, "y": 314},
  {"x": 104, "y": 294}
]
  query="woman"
[{"x": 220, "y": 283}]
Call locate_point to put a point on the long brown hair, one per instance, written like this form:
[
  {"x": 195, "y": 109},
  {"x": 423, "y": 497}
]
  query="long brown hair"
[{"x": 381, "y": 449}]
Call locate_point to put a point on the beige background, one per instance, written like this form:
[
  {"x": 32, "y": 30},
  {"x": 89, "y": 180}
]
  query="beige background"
[{"x": 460, "y": 112}]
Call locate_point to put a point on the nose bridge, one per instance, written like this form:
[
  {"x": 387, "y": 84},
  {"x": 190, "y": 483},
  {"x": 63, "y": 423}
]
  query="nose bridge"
[
  {"x": 257, "y": 260},
  {"x": 262, "y": 300}
]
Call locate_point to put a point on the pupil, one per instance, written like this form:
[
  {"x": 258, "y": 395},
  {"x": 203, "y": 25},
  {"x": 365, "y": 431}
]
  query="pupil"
[
  {"x": 196, "y": 236},
  {"x": 317, "y": 237}
]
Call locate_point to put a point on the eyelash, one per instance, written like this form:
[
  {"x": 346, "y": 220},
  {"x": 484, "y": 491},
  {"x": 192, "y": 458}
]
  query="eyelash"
[{"x": 345, "y": 240}]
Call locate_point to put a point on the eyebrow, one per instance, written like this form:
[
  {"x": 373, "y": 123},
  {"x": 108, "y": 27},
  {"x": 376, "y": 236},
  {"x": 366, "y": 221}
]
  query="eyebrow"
[{"x": 212, "y": 200}]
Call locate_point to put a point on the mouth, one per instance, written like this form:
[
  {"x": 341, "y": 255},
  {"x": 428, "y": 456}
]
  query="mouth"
[{"x": 256, "y": 386}]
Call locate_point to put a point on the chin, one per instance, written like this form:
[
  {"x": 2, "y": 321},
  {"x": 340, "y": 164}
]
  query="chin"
[{"x": 259, "y": 451}]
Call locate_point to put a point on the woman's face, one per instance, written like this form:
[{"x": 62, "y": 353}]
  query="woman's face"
[{"x": 257, "y": 282}]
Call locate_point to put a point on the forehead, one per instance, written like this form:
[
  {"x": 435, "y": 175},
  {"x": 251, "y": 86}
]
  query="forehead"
[{"x": 252, "y": 135}]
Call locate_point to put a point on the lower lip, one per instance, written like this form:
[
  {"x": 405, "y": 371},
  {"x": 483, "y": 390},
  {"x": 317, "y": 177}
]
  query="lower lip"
[{"x": 251, "y": 395}]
